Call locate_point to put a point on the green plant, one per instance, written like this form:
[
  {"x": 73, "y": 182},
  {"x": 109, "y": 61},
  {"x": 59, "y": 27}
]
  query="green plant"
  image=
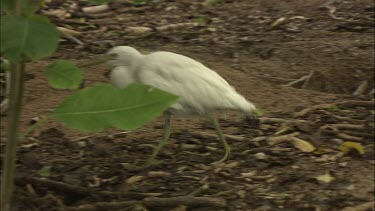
[{"x": 26, "y": 36}]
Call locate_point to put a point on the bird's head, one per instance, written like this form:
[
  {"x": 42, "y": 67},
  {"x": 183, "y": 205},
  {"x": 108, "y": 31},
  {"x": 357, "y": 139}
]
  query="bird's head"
[
  {"x": 123, "y": 56},
  {"x": 117, "y": 56}
]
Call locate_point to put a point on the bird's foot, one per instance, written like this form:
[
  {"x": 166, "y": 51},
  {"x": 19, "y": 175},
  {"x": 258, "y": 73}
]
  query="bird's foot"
[{"x": 149, "y": 163}]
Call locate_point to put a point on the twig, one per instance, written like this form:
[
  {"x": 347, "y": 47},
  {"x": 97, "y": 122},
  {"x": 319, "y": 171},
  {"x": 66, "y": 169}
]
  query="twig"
[
  {"x": 70, "y": 34},
  {"x": 304, "y": 80},
  {"x": 69, "y": 31},
  {"x": 361, "y": 88},
  {"x": 153, "y": 202},
  {"x": 349, "y": 127},
  {"x": 308, "y": 79},
  {"x": 362, "y": 207},
  {"x": 172, "y": 27},
  {"x": 340, "y": 118},
  {"x": 229, "y": 137},
  {"x": 276, "y": 79},
  {"x": 333, "y": 130},
  {"x": 300, "y": 124},
  {"x": 95, "y": 9},
  {"x": 343, "y": 104},
  {"x": 267, "y": 120},
  {"x": 279, "y": 139},
  {"x": 78, "y": 190},
  {"x": 297, "y": 81},
  {"x": 349, "y": 137},
  {"x": 359, "y": 134}
]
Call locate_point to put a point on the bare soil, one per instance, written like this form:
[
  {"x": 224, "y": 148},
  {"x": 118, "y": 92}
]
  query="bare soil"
[{"x": 236, "y": 39}]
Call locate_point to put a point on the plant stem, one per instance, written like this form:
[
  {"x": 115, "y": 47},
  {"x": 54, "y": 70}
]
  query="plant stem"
[{"x": 17, "y": 72}]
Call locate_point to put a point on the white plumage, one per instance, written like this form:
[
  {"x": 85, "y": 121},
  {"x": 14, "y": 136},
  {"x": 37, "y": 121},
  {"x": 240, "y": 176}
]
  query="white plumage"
[{"x": 201, "y": 90}]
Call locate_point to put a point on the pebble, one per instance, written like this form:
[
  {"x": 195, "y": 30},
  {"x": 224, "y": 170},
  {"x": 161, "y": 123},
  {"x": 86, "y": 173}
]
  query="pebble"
[
  {"x": 261, "y": 156},
  {"x": 343, "y": 164}
]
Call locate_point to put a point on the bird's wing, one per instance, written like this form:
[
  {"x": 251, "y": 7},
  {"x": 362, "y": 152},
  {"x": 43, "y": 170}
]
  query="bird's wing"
[{"x": 200, "y": 89}]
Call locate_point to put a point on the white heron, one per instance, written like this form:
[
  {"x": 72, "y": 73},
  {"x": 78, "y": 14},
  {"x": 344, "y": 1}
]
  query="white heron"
[{"x": 201, "y": 90}]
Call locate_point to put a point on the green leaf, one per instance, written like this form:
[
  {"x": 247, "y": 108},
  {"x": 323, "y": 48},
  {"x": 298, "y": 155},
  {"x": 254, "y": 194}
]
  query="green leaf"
[
  {"x": 99, "y": 1},
  {"x": 6, "y": 6},
  {"x": 34, "y": 37},
  {"x": 28, "y": 7},
  {"x": 63, "y": 74},
  {"x": 139, "y": 2},
  {"x": 45, "y": 171},
  {"x": 103, "y": 106}
]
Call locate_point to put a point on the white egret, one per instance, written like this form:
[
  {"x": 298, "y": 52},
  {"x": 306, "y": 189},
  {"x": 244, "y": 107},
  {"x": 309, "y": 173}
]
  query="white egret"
[{"x": 201, "y": 90}]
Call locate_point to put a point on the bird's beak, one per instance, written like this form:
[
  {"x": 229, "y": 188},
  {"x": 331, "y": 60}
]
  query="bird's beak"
[{"x": 95, "y": 60}]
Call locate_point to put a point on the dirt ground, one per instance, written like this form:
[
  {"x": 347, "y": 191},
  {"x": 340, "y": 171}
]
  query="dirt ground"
[{"x": 259, "y": 47}]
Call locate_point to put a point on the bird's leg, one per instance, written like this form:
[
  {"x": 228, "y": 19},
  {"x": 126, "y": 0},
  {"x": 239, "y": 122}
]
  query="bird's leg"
[
  {"x": 215, "y": 123},
  {"x": 167, "y": 131}
]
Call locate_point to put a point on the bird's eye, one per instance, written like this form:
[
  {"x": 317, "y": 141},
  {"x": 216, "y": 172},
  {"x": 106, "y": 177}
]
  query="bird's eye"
[{"x": 113, "y": 55}]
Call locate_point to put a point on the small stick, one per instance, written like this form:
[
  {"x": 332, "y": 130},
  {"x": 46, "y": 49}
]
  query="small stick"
[
  {"x": 344, "y": 103},
  {"x": 153, "y": 202},
  {"x": 175, "y": 26},
  {"x": 95, "y": 9},
  {"x": 279, "y": 139},
  {"x": 69, "y": 31},
  {"x": 349, "y": 137},
  {"x": 78, "y": 190},
  {"x": 297, "y": 81},
  {"x": 229, "y": 137},
  {"x": 333, "y": 130},
  {"x": 340, "y": 118},
  {"x": 308, "y": 79},
  {"x": 362, "y": 207},
  {"x": 361, "y": 88},
  {"x": 266, "y": 120},
  {"x": 72, "y": 38},
  {"x": 349, "y": 127}
]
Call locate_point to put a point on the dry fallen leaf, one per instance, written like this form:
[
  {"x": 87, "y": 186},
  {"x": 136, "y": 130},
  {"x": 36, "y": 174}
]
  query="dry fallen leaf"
[
  {"x": 302, "y": 145},
  {"x": 135, "y": 179},
  {"x": 349, "y": 146},
  {"x": 158, "y": 174},
  {"x": 325, "y": 178}
]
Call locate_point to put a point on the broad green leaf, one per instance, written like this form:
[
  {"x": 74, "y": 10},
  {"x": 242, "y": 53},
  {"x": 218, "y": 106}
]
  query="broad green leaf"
[
  {"x": 63, "y": 74},
  {"x": 99, "y": 1},
  {"x": 6, "y": 6},
  {"x": 45, "y": 171},
  {"x": 103, "y": 106},
  {"x": 34, "y": 37},
  {"x": 28, "y": 7},
  {"x": 138, "y": 2}
]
